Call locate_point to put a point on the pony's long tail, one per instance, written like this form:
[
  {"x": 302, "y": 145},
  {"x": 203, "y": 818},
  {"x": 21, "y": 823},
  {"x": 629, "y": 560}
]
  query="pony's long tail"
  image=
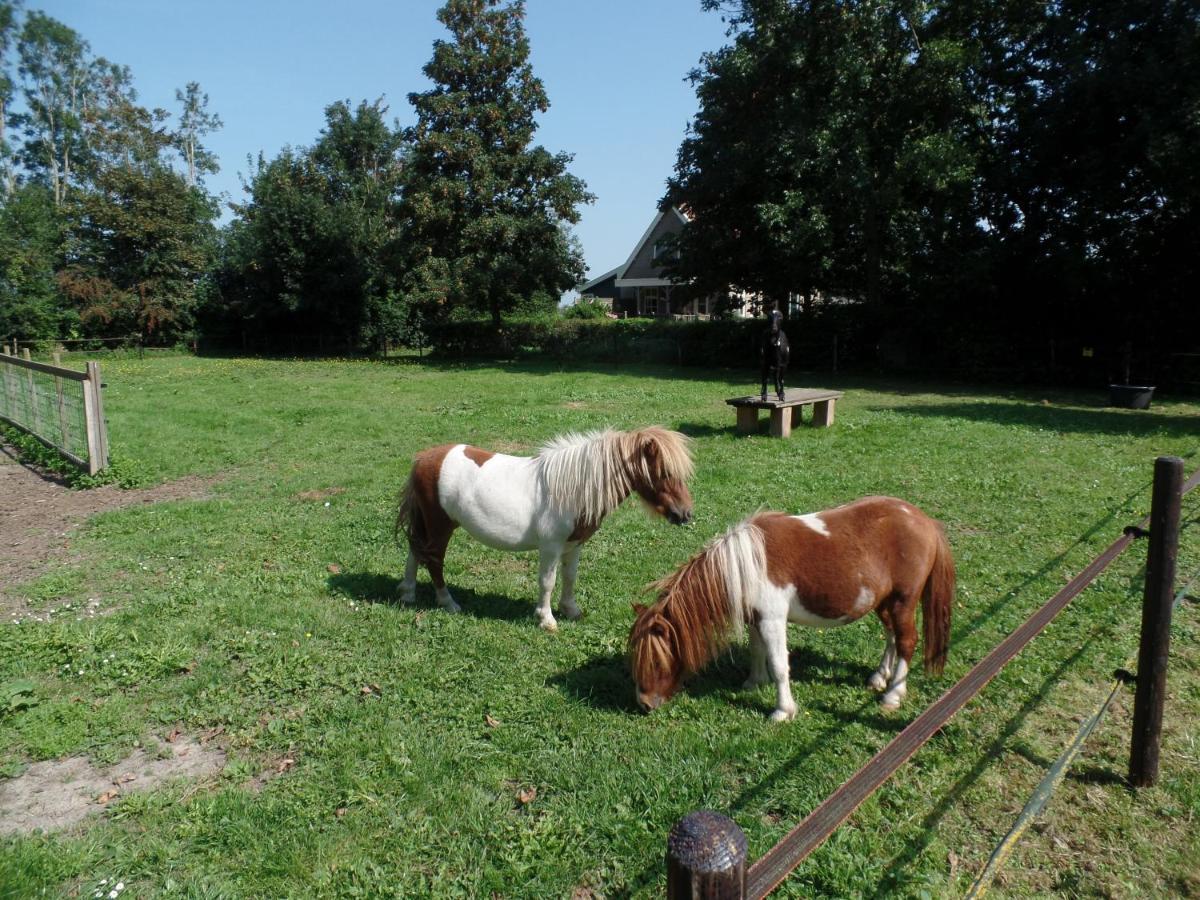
[
  {"x": 410, "y": 521},
  {"x": 937, "y": 604}
]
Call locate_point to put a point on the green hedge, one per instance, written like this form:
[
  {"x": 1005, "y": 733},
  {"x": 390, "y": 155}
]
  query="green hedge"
[{"x": 718, "y": 343}]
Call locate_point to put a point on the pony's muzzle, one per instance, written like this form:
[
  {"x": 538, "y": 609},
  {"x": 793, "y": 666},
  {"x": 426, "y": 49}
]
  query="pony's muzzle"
[
  {"x": 650, "y": 702},
  {"x": 677, "y": 516}
]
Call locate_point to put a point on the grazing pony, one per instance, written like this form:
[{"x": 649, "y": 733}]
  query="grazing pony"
[
  {"x": 822, "y": 569},
  {"x": 552, "y": 502}
]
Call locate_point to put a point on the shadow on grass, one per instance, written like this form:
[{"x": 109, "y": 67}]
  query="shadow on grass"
[
  {"x": 605, "y": 682},
  {"x": 371, "y": 587},
  {"x": 1031, "y": 414}
]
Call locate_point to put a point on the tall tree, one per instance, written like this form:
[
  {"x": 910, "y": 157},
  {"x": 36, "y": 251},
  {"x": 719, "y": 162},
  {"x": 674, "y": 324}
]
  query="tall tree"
[
  {"x": 31, "y": 239},
  {"x": 824, "y": 129},
  {"x": 56, "y": 75},
  {"x": 483, "y": 208},
  {"x": 195, "y": 121},
  {"x": 8, "y": 33},
  {"x": 309, "y": 253}
]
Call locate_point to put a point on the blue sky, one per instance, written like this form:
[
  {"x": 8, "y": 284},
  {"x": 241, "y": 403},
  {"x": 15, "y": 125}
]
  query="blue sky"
[{"x": 614, "y": 70}]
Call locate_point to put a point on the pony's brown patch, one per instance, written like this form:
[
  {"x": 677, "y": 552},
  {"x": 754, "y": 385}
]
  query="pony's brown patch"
[
  {"x": 420, "y": 515},
  {"x": 477, "y": 456},
  {"x": 583, "y": 530}
]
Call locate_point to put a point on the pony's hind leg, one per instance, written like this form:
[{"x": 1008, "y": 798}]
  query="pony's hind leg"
[
  {"x": 444, "y": 598},
  {"x": 570, "y": 569},
  {"x": 758, "y": 660},
  {"x": 547, "y": 572},
  {"x": 879, "y": 678},
  {"x": 904, "y": 620},
  {"x": 774, "y": 637},
  {"x": 408, "y": 587}
]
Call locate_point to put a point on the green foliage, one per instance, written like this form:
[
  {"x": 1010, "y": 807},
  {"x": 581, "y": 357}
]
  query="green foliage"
[
  {"x": 485, "y": 214},
  {"x": 121, "y": 471},
  {"x": 587, "y": 308},
  {"x": 31, "y": 249},
  {"x": 971, "y": 167},
  {"x": 99, "y": 235},
  {"x": 17, "y": 695},
  {"x": 310, "y": 252}
]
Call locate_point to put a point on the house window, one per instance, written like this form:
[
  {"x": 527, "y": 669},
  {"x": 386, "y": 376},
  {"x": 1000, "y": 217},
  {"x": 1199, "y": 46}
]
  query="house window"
[
  {"x": 665, "y": 252},
  {"x": 651, "y": 301}
]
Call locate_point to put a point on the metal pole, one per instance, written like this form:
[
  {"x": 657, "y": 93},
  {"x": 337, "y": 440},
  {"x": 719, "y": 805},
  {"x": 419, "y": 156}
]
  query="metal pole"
[
  {"x": 1156, "y": 621},
  {"x": 706, "y": 858}
]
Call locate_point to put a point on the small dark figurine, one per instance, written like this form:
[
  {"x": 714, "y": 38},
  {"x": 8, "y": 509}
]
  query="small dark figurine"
[{"x": 775, "y": 353}]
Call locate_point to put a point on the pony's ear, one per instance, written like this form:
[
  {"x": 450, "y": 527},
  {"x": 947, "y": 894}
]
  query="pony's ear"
[{"x": 639, "y": 608}]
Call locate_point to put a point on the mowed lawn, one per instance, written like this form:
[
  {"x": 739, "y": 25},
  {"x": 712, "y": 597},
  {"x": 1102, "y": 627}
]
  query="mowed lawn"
[{"x": 381, "y": 750}]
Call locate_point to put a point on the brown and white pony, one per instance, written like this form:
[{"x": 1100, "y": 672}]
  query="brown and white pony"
[
  {"x": 552, "y": 502},
  {"x": 822, "y": 569}
]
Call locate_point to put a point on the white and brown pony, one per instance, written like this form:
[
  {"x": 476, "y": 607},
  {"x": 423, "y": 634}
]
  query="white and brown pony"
[
  {"x": 552, "y": 502},
  {"x": 822, "y": 569}
]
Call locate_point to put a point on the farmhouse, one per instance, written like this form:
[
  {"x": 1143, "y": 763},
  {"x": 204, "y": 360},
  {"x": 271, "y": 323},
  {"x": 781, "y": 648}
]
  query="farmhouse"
[{"x": 639, "y": 286}]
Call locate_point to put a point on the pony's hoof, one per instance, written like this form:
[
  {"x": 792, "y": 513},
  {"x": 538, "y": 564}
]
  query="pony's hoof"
[
  {"x": 752, "y": 682},
  {"x": 549, "y": 625},
  {"x": 783, "y": 715},
  {"x": 447, "y": 603},
  {"x": 574, "y": 613},
  {"x": 890, "y": 701},
  {"x": 877, "y": 683}
]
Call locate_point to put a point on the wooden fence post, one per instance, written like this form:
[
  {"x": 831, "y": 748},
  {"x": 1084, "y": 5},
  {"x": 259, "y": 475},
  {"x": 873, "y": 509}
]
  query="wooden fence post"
[
  {"x": 706, "y": 858},
  {"x": 1156, "y": 621},
  {"x": 97, "y": 431}
]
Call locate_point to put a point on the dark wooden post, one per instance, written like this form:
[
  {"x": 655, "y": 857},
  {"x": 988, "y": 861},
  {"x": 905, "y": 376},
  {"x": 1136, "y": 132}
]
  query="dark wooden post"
[
  {"x": 1156, "y": 621},
  {"x": 706, "y": 858}
]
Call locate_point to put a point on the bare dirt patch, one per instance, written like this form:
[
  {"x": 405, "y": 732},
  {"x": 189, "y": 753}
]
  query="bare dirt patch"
[
  {"x": 40, "y": 513},
  {"x": 60, "y": 793}
]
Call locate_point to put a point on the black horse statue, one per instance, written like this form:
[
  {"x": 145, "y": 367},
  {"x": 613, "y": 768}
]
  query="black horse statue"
[{"x": 775, "y": 352}]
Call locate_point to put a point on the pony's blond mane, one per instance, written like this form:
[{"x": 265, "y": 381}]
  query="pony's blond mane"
[
  {"x": 705, "y": 603},
  {"x": 591, "y": 473}
]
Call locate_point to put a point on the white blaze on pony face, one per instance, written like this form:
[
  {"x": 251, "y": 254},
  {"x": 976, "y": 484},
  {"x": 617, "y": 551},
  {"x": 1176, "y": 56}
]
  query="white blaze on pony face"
[{"x": 814, "y": 521}]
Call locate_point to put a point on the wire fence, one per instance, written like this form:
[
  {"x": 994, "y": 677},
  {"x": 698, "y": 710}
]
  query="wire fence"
[{"x": 60, "y": 407}]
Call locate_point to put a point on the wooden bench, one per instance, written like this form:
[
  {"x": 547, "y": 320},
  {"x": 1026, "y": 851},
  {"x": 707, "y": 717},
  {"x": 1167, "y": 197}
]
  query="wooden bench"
[{"x": 787, "y": 412}]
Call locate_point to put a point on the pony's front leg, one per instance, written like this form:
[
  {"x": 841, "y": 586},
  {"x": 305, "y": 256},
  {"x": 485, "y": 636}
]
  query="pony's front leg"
[
  {"x": 758, "y": 660},
  {"x": 408, "y": 587},
  {"x": 547, "y": 571},
  {"x": 570, "y": 563},
  {"x": 774, "y": 637}
]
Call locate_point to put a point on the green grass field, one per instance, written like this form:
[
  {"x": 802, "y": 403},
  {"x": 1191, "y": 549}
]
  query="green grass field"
[{"x": 475, "y": 755}]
